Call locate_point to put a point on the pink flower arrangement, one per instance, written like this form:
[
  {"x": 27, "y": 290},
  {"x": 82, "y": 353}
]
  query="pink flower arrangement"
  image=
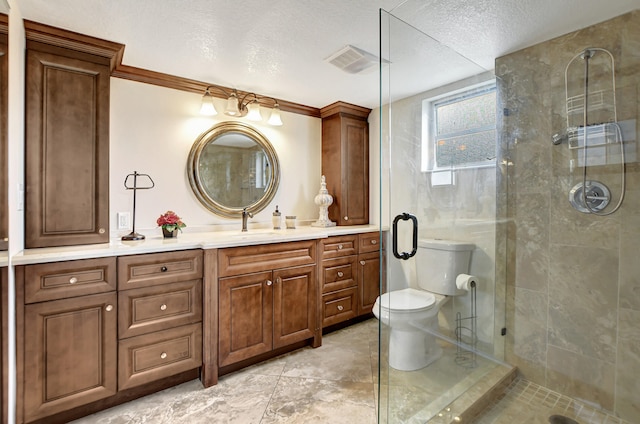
[{"x": 170, "y": 221}]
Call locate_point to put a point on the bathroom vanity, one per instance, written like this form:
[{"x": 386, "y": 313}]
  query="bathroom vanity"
[{"x": 98, "y": 325}]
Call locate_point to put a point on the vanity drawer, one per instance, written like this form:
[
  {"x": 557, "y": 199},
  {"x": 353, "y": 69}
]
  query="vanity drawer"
[
  {"x": 336, "y": 246},
  {"x": 339, "y": 306},
  {"x": 266, "y": 257},
  {"x": 369, "y": 242},
  {"x": 339, "y": 273},
  {"x": 150, "y": 357},
  {"x": 158, "y": 268},
  {"x": 149, "y": 309},
  {"x": 61, "y": 280}
]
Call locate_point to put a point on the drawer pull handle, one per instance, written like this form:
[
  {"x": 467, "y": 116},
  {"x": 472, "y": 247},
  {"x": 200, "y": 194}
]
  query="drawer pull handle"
[
  {"x": 374, "y": 241},
  {"x": 269, "y": 282},
  {"x": 73, "y": 280},
  {"x": 164, "y": 269},
  {"x": 163, "y": 307},
  {"x": 340, "y": 247},
  {"x": 362, "y": 262},
  {"x": 340, "y": 307},
  {"x": 340, "y": 274},
  {"x": 109, "y": 308},
  {"x": 163, "y": 355}
]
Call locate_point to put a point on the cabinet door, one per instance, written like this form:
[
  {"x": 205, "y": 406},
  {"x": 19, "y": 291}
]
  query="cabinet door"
[
  {"x": 70, "y": 353},
  {"x": 4, "y": 317},
  {"x": 368, "y": 281},
  {"x": 245, "y": 317},
  {"x": 354, "y": 199},
  {"x": 294, "y": 304},
  {"x": 66, "y": 151}
]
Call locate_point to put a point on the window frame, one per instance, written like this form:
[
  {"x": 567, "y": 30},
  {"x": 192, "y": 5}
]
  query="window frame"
[{"x": 430, "y": 136}]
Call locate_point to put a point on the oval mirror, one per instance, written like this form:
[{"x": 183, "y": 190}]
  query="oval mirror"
[{"x": 233, "y": 166}]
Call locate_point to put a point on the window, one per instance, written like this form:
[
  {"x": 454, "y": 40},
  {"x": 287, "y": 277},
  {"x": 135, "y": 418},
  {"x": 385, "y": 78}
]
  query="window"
[{"x": 460, "y": 130}]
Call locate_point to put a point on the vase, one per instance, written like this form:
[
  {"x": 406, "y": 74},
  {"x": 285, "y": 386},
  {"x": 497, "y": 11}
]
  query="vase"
[{"x": 169, "y": 234}]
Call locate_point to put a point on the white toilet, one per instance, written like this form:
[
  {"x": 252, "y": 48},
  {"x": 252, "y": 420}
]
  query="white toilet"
[{"x": 412, "y": 313}]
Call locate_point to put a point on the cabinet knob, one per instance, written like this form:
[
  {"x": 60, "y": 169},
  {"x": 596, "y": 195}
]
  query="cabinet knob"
[
  {"x": 340, "y": 307},
  {"x": 109, "y": 308},
  {"x": 163, "y": 307},
  {"x": 362, "y": 262},
  {"x": 163, "y": 355},
  {"x": 102, "y": 231},
  {"x": 374, "y": 241},
  {"x": 164, "y": 269},
  {"x": 340, "y": 274},
  {"x": 73, "y": 280},
  {"x": 346, "y": 218},
  {"x": 340, "y": 247},
  {"x": 269, "y": 282}
]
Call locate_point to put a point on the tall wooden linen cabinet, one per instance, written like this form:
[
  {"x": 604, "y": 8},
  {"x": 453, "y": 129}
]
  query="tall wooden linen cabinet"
[
  {"x": 67, "y": 137},
  {"x": 345, "y": 161}
]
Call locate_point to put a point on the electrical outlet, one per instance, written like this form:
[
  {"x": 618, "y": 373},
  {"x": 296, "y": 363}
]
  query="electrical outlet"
[{"x": 124, "y": 220}]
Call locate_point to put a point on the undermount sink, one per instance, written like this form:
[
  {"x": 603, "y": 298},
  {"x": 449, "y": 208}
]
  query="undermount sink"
[{"x": 254, "y": 234}]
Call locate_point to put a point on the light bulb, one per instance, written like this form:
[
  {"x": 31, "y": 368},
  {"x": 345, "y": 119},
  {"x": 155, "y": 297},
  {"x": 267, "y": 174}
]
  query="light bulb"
[
  {"x": 207, "y": 107},
  {"x": 254, "y": 111},
  {"x": 275, "y": 119}
]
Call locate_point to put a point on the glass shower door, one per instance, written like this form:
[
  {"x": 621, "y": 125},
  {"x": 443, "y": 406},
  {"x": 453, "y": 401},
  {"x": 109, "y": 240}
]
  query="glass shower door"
[{"x": 436, "y": 187}]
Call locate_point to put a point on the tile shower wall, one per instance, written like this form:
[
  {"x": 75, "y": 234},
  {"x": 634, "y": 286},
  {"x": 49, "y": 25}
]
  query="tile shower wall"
[{"x": 573, "y": 279}]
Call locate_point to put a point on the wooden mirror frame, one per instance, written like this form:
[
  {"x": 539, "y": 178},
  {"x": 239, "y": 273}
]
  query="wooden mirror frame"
[{"x": 210, "y": 136}]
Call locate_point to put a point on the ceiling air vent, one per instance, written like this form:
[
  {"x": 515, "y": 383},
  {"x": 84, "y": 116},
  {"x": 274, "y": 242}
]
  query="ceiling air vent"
[{"x": 352, "y": 59}]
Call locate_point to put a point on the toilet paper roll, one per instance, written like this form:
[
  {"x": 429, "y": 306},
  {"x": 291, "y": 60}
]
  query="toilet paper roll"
[{"x": 465, "y": 281}]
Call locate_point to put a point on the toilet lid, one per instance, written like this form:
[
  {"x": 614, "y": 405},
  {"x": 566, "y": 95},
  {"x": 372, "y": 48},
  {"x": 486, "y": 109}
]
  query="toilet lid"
[{"x": 407, "y": 300}]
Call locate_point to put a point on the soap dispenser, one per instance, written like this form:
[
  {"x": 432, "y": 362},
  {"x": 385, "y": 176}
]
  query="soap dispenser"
[{"x": 276, "y": 219}]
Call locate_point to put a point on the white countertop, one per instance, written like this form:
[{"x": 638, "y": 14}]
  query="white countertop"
[{"x": 184, "y": 241}]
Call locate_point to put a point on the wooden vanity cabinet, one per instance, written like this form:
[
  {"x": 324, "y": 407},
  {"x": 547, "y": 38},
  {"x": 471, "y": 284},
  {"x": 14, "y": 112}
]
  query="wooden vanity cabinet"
[
  {"x": 93, "y": 333},
  {"x": 4, "y": 317},
  {"x": 266, "y": 299},
  {"x": 66, "y": 137},
  {"x": 345, "y": 161},
  {"x": 350, "y": 276},
  {"x": 160, "y": 316},
  {"x": 339, "y": 279},
  {"x": 67, "y": 340}
]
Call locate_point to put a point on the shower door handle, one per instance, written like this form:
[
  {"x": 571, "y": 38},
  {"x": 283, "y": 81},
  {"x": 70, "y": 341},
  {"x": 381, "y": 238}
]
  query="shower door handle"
[{"x": 405, "y": 217}]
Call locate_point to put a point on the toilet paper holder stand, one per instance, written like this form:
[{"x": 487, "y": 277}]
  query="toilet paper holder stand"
[{"x": 466, "y": 334}]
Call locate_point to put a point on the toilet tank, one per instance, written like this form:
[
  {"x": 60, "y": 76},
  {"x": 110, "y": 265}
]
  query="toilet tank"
[{"x": 439, "y": 262}]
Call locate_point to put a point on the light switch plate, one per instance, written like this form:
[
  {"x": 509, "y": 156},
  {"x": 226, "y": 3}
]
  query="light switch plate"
[{"x": 124, "y": 220}]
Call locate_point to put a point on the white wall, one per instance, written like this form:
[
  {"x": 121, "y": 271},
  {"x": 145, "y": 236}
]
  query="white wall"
[
  {"x": 152, "y": 130},
  {"x": 16, "y": 177}
]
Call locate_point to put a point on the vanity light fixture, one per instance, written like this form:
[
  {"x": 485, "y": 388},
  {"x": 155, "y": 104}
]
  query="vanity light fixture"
[{"x": 248, "y": 105}]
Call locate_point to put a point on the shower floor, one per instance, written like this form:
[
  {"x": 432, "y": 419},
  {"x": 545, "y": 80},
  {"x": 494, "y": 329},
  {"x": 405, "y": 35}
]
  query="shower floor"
[
  {"x": 439, "y": 392},
  {"x": 530, "y": 403}
]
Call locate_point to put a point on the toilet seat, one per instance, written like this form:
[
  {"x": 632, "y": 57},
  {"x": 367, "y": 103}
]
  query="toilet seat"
[{"x": 407, "y": 300}]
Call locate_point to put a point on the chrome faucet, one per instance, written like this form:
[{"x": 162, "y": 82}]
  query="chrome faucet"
[{"x": 245, "y": 215}]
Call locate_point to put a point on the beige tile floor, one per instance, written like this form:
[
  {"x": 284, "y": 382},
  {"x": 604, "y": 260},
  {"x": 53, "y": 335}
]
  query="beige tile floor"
[{"x": 337, "y": 383}]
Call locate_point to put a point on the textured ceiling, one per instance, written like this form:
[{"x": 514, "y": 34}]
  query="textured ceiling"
[{"x": 277, "y": 47}]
